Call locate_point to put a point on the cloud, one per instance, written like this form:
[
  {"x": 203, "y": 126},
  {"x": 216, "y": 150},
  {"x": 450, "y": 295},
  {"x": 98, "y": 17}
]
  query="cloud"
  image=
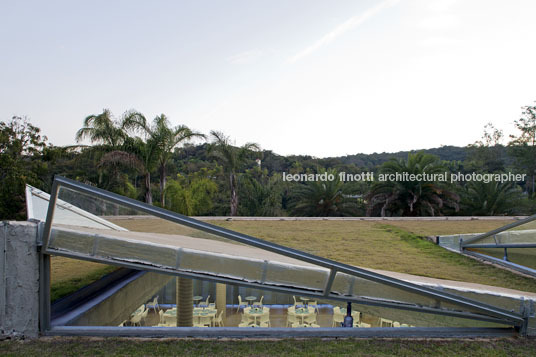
[
  {"x": 440, "y": 41},
  {"x": 441, "y": 22},
  {"x": 245, "y": 57},
  {"x": 346, "y": 26}
]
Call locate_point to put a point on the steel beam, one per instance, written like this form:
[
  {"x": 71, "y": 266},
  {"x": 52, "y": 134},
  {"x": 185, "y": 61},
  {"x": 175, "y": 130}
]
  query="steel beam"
[
  {"x": 501, "y": 245},
  {"x": 236, "y": 332},
  {"x": 495, "y": 312},
  {"x": 499, "y": 230}
]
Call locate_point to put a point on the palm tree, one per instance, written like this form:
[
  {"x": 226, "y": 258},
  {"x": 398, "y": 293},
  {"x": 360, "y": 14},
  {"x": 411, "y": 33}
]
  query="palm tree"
[
  {"x": 161, "y": 139},
  {"x": 490, "y": 199},
  {"x": 323, "y": 199},
  {"x": 410, "y": 197},
  {"x": 232, "y": 159},
  {"x": 102, "y": 129},
  {"x": 109, "y": 136}
]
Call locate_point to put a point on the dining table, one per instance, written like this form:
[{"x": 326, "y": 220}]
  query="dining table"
[
  {"x": 170, "y": 316},
  {"x": 254, "y": 312},
  {"x": 302, "y": 313},
  {"x": 250, "y": 299},
  {"x": 304, "y": 299},
  {"x": 197, "y": 299}
]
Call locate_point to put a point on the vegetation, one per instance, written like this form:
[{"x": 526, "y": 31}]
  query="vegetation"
[
  {"x": 70, "y": 275},
  {"x": 138, "y": 158},
  {"x": 523, "y": 146},
  {"x": 324, "y": 199},
  {"x": 411, "y": 197},
  {"x": 371, "y": 244},
  {"x": 289, "y": 347},
  {"x": 21, "y": 147},
  {"x": 232, "y": 159}
]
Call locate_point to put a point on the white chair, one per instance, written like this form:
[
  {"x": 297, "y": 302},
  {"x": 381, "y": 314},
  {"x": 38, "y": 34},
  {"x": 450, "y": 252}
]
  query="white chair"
[
  {"x": 265, "y": 319},
  {"x": 162, "y": 321},
  {"x": 240, "y": 303},
  {"x": 212, "y": 306},
  {"x": 291, "y": 319},
  {"x": 246, "y": 321},
  {"x": 136, "y": 320},
  {"x": 310, "y": 319},
  {"x": 385, "y": 322},
  {"x": 155, "y": 304},
  {"x": 294, "y": 297},
  {"x": 314, "y": 305},
  {"x": 338, "y": 317},
  {"x": 144, "y": 315},
  {"x": 219, "y": 320},
  {"x": 356, "y": 316},
  {"x": 206, "y": 302},
  {"x": 259, "y": 302}
]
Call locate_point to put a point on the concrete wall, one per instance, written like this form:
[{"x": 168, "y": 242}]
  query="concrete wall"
[
  {"x": 115, "y": 306},
  {"x": 19, "y": 279}
]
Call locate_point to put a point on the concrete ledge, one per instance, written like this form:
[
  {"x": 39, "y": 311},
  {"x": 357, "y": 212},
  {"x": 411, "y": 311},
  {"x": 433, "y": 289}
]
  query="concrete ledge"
[
  {"x": 19, "y": 279},
  {"x": 236, "y": 332}
]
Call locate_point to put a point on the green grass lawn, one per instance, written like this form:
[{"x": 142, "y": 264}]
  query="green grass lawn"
[
  {"x": 288, "y": 347},
  {"x": 387, "y": 245},
  {"x": 69, "y": 275}
]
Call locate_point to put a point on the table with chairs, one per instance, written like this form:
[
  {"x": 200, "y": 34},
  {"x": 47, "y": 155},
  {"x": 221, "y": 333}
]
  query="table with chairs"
[
  {"x": 256, "y": 316},
  {"x": 302, "y": 316}
]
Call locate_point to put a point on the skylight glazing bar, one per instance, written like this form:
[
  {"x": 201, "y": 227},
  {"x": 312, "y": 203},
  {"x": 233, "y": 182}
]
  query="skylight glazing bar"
[{"x": 272, "y": 247}]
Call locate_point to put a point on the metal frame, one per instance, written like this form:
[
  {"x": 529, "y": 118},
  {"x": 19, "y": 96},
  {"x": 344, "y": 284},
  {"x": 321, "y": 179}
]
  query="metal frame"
[
  {"x": 470, "y": 243},
  {"x": 485, "y": 312},
  {"x": 271, "y": 333},
  {"x": 467, "y": 242}
]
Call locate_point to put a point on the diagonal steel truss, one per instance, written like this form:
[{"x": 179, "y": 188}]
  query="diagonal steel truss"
[{"x": 466, "y": 308}]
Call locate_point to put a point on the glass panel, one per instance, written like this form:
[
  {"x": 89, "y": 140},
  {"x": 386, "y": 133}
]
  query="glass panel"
[
  {"x": 92, "y": 228},
  {"x": 100, "y": 229},
  {"x": 151, "y": 299},
  {"x": 522, "y": 234},
  {"x": 520, "y": 256}
]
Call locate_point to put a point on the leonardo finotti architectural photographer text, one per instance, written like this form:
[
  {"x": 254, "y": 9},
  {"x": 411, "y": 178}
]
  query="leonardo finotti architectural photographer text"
[{"x": 406, "y": 176}]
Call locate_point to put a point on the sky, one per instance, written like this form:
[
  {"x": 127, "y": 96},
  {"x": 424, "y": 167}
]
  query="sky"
[{"x": 321, "y": 78}]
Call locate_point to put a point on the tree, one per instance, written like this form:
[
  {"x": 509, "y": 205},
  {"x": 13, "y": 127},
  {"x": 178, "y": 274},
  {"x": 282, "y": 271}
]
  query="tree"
[
  {"x": 410, "y": 198},
  {"x": 161, "y": 139},
  {"x": 490, "y": 199},
  {"x": 328, "y": 198},
  {"x": 21, "y": 150},
  {"x": 102, "y": 129},
  {"x": 232, "y": 159},
  {"x": 118, "y": 162},
  {"x": 487, "y": 153},
  {"x": 523, "y": 146},
  {"x": 260, "y": 194},
  {"x": 191, "y": 195}
]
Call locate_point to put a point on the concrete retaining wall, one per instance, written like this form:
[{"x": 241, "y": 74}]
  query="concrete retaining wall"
[{"x": 19, "y": 279}]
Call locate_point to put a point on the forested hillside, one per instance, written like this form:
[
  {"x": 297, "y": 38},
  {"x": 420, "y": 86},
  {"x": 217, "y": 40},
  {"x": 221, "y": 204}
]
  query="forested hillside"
[{"x": 197, "y": 173}]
